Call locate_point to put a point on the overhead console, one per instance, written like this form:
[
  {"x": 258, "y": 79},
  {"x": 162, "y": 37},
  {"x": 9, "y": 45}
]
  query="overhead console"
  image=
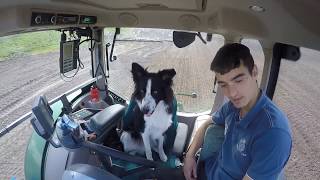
[
  {"x": 47, "y": 19},
  {"x": 186, "y": 5}
]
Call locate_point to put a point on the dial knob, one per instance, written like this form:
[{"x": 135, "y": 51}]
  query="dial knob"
[{"x": 37, "y": 20}]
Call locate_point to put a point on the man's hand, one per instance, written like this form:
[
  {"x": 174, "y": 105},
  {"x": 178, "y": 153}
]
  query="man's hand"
[
  {"x": 190, "y": 168},
  {"x": 92, "y": 137},
  {"x": 190, "y": 165}
]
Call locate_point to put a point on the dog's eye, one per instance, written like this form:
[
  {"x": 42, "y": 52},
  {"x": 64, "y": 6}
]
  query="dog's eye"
[{"x": 154, "y": 92}]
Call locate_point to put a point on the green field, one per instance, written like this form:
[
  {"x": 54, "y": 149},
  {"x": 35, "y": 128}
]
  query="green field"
[
  {"x": 29, "y": 43},
  {"x": 35, "y": 43}
]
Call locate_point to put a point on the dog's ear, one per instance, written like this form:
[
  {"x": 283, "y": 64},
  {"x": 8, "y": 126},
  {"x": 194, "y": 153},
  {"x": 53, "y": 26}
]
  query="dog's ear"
[
  {"x": 137, "y": 71},
  {"x": 167, "y": 74}
]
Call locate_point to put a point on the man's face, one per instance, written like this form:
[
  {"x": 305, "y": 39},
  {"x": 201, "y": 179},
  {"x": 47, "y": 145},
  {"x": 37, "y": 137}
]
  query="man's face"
[{"x": 239, "y": 86}]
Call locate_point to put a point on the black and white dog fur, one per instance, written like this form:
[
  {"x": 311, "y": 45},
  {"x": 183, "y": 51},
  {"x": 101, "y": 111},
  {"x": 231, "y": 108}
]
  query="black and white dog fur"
[{"x": 153, "y": 115}]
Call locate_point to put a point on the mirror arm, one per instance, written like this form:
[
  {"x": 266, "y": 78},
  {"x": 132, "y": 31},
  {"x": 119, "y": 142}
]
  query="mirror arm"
[
  {"x": 107, "y": 58},
  {"x": 214, "y": 85},
  {"x": 201, "y": 38},
  {"x": 113, "y": 42}
]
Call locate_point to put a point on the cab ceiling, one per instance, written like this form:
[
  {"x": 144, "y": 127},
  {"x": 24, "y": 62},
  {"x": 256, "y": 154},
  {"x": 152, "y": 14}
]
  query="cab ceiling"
[
  {"x": 289, "y": 21},
  {"x": 195, "y": 5}
]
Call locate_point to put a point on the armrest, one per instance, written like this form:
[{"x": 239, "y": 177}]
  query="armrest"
[{"x": 104, "y": 119}]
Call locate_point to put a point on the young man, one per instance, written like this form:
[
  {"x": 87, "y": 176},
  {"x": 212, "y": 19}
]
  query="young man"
[{"x": 257, "y": 137}]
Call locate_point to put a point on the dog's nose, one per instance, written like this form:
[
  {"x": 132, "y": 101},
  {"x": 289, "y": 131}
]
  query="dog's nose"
[{"x": 145, "y": 110}]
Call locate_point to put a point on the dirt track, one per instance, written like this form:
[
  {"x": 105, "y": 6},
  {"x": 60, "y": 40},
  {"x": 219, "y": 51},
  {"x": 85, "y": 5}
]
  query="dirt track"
[
  {"x": 23, "y": 78},
  {"x": 298, "y": 95}
]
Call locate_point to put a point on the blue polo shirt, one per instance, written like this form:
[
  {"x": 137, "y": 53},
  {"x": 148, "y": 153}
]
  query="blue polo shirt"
[{"x": 258, "y": 145}]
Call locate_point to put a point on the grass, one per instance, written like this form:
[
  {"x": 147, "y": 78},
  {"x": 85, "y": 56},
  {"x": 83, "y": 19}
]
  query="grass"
[
  {"x": 29, "y": 43},
  {"x": 36, "y": 43}
]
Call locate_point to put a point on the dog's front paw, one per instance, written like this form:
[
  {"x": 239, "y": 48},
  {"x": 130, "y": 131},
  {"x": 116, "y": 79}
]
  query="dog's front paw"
[
  {"x": 164, "y": 158},
  {"x": 149, "y": 157}
]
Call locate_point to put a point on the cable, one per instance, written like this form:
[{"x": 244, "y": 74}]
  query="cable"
[
  {"x": 99, "y": 63},
  {"x": 80, "y": 64},
  {"x": 91, "y": 49},
  {"x": 70, "y": 77},
  {"x": 104, "y": 74}
]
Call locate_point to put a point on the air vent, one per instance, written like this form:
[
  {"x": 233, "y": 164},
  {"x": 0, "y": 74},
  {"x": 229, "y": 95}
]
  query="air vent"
[
  {"x": 151, "y": 6},
  {"x": 128, "y": 19}
]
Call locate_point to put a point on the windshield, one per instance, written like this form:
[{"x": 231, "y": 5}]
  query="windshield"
[{"x": 155, "y": 50}]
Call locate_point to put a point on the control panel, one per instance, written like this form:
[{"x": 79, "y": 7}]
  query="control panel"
[
  {"x": 43, "y": 19},
  {"x": 67, "y": 19},
  {"x": 82, "y": 114},
  {"x": 87, "y": 19},
  {"x": 47, "y": 19},
  {"x": 117, "y": 98},
  {"x": 69, "y": 55}
]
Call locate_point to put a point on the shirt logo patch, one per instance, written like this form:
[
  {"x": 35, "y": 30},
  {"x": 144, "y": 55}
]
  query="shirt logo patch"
[{"x": 241, "y": 146}]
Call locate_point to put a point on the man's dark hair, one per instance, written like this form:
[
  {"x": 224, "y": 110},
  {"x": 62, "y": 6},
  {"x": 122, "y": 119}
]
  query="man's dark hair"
[{"x": 230, "y": 56}]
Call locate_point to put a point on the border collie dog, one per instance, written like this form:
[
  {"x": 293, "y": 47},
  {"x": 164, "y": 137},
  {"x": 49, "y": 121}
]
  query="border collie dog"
[{"x": 152, "y": 115}]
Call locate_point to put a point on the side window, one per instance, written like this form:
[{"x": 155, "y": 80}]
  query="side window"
[
  {"x": 297, "y": 94},
  {"x": 257, "y": 54},
  {"x": 29, "y": 66}
]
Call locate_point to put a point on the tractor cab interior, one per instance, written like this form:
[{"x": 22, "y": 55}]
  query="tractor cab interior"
[{"x": 59, "y": 147}]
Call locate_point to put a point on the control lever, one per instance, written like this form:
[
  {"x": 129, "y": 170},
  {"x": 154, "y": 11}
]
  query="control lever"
[{"x": 66, "y": 109}]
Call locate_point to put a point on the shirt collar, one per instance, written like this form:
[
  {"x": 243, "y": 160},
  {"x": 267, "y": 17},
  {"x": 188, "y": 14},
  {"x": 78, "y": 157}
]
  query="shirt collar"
[{"x": 250, "y": 116}]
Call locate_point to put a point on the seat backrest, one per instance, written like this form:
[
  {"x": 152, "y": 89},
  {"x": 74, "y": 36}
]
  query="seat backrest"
[{"x": 180, "y": 140}]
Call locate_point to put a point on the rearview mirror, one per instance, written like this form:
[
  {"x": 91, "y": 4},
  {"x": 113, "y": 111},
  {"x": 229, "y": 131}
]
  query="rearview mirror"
[
  {"x": 288, "y": 52},
  {"x": 182, "y": 39}
]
